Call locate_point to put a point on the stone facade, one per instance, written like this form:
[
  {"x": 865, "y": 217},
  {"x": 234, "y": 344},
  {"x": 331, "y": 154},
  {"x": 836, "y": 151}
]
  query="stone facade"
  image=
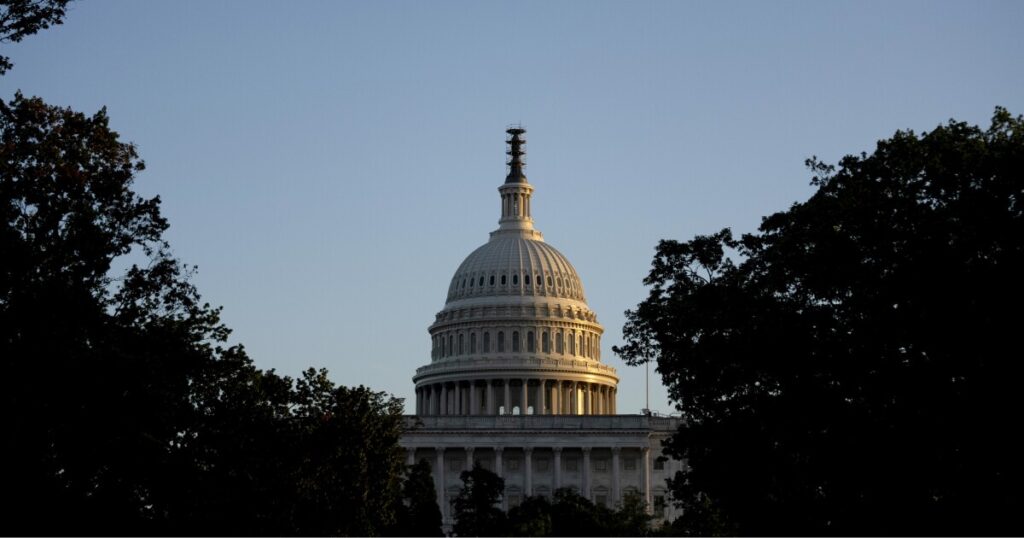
[{"x": 516, "y": 381}]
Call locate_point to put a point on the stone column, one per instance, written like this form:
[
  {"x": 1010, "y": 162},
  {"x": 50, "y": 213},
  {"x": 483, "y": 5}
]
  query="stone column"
[
  {"x": 528, "y": 468},
  {"x": 525, "y": 397},
  {"x": 444, "y": 400},
  {"x": 587, "y": 400},
  {"x": 469, "y": 459},
  {"x": 508, "y": 398},
  {"x": 615, "y": 476},
  {"x": 542, "y": 389},
  {"x": 499, "y": 469},
  {"x": 558, "y": 466},
  {"x": 490, "y": 397},
  {"x": 575, "y": 401},
  {"x": 586, "y": 473},
  {"x": 474, "y": 403},
  {"x": 457, "y": 397},
  {"x": 646, "y": 460},
  {"x": 439, "y": 480},
  {"x": 556, "y": 397}
]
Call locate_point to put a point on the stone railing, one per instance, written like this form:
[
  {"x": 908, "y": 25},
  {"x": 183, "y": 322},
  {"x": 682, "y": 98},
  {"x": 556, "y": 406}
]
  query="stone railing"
[
  {"x": 542, "y": 422},
  {"x": 477, "y": 364}
]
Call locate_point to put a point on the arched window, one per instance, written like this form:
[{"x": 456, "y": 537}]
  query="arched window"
[
  {"x": 545, "y": 342},
  {"x": 515, "y": 279},
  {"x": 572, "y": 343},
  {"x": 515, "y": 341},
  {"x": 460, "y": 344},
  {"x": 492, "y": 280},
  {"x": 487, "y": 342},
  {"x": 549, "y": 280},
  {"x": 503, "y": 277},
  {"x": 442, "y": 346},
  {"x": 471, "y": 282},
  {"x": 559, "y": 346},
  {"x": 451, "y": 345},
  {"x": 526, "y": 279},
  {"x": 463, "y": 282},
  {"x": 530, "y": 344},
  {"x": 482, "y": 281},
  {"x": 579, "y": 344},
  {"x": 501, "y": 341},
  {"x": 472, "y": 342}
]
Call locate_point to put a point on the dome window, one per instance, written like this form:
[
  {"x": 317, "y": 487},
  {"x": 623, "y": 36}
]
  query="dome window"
[
  {"x": 558, "y": 342},
  {"x": 487, "y": 341},
  {"x": 471, "y": 282},
  {"x": 531, "y": 345},
  {"x": 503, "y": 279},
  {"x": 501, "y": 341},
  {"x": 549, "y": 281},
  {"x": 545, "y": 342},
  {"x": 482, "y": 281},
  {"x": 515, "y": 280},
  {"x": 515, "y": 341},
  {"x": 472, "y": 342},
  {"x": 526, "y": 279},
  {"x": 463, "y": 282},
  {"x": 492, "y": 280}
]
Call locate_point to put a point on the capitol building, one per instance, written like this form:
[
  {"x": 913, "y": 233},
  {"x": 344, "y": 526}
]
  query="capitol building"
[{"x": 515, "y": 379}]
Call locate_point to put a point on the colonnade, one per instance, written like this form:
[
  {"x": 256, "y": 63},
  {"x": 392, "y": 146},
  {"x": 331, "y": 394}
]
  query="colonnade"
[
  {"x": 507, "y": 396},
  {"x": 547, "y": 482}
]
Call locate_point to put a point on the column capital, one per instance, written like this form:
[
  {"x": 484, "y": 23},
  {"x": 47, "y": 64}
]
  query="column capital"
[
  {"x": 469, "y": 449},
  {"x": 499, "y": 449},
  {"x": 439, "y": 448},
  {"x": 616, "y": 450},
  {"x": 528, "y": 450},
  {"x": 586, "y": 449},
  {"x": 556, "y": 449}
]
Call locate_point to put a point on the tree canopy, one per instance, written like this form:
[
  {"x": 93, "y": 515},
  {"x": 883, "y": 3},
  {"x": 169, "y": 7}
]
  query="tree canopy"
[
  {"x": 22, "y": 18},
  {"x": 848, "y": 369},
  {"x": 128, "y": 412}
]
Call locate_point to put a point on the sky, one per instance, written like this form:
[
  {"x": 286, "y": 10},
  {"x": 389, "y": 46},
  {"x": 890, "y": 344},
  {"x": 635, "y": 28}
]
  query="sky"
[{"x": 328, "y": 165}]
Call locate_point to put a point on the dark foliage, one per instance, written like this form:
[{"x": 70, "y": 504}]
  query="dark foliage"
[
  {"x": 419, "y": 513},
  {"x": 476, "y": 509},
  {"x": 127, "y": 415},
  {"x": 22, "y": 18},
  {"x": 850, "y": 368}
]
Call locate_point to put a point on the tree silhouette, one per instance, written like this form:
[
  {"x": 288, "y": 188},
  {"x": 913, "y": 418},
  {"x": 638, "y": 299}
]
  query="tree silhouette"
[
  {"x": 849, "y": 368},
  {"x": 22, "y": 18},
  {"x": 419, "y": 515},
  {"x": 129, "y": 415},
  {"x": 476, "y": 509}
]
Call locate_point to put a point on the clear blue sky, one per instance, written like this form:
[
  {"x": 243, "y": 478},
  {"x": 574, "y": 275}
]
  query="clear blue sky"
[{"x": 328, "y": 165}]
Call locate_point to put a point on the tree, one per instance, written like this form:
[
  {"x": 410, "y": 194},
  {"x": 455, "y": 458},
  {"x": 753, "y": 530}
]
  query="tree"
[
  {"x": 419, "y": 515},
  {"x": 128, "y": 415},
  {"x": 845, "y": 369},
  {"x": 99, "y": 367},
  {"x": 531, "y": 518},
  {"x": 22, "y": 18},
  {"x": 476, "y": 509}
]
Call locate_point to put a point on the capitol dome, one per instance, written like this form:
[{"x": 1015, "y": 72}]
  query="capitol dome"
[
  {"x": 515, "y": 335},
  {"x": 497, "y": 267}
]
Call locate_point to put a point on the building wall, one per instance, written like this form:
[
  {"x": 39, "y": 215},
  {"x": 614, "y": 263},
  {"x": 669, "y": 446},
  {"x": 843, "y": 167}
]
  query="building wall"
[{"x": 601, "y": 457}]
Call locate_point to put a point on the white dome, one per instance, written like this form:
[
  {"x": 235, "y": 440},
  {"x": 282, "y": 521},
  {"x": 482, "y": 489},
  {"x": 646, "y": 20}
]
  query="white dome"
[
  {"x": 515, "y": 265},
  {"x": 515, "y": 316}
]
